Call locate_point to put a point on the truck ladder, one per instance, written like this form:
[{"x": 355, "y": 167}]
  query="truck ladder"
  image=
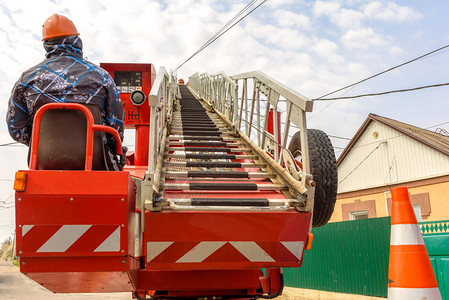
[{"x": 208, "y": 167}]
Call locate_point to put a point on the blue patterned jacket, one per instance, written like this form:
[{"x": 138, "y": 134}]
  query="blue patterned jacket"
[{"x": 64, "y": 76}]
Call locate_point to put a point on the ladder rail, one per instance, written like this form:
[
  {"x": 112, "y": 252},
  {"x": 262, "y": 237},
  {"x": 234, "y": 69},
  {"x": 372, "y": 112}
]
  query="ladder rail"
[{"x": 221, "y": 92}]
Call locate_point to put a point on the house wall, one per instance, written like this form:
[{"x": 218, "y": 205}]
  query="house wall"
[
  {"x": 432, "y": 194},
  {"x": 384, "y": 156}
]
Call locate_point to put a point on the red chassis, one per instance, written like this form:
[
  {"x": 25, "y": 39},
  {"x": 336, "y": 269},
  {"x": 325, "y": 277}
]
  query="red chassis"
[{"x": 77, "y": 233}]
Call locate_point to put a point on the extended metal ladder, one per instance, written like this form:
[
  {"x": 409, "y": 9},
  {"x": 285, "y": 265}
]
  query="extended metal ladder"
[{"x": 207, "y": 166}]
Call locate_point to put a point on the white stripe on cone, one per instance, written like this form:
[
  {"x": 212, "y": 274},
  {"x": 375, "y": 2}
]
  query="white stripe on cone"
[
  {"x": 414, "y": 294},
  {"x": 406, "y": 234}
]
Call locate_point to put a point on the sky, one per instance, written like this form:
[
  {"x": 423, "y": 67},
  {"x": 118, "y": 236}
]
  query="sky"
[{"x": 313, "y": 47}]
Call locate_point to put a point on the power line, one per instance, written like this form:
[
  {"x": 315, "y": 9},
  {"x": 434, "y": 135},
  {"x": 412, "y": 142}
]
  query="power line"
[
  {"x": 366, "y": 157},
  {"x": 383, "y": 72},
  {"x": 339, "y": 137},
  {"x": 383, "y": 93},
  {"x": 8, "y": 144},
  {"x": 222, "y": 31}
]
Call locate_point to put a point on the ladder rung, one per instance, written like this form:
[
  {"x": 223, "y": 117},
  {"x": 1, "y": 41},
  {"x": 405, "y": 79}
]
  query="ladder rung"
[
  {"x": 198, "y": 138},
  {"x": 213, "y": 164},
  {"x": 230, "y": 201},
  {"x": 217, "y": 174},
  {"x": 208, "y": 149},
  {"x": 218, "y": 186},
  {"x": 206, "y": 144},
  {"x": 211, "y": 156},
  {"x": 197, "y": 128},
  {"x": 201, "y": 138},
  {"x": 200, "y": 133}
]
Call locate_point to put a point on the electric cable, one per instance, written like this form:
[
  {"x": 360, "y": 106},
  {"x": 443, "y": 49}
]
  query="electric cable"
[
  {"x": 383, "y": 72},
  {"x": 8, "y": 144},
  {"x": 222, "y": 32},
  {"x": 384, "y": 93},
  {"x": 366, "y": 157}
]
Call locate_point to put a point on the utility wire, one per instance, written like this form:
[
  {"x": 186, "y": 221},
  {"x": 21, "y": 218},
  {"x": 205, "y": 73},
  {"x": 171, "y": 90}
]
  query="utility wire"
[
  {"x": 222, "y": 31},
  {"x": 7, "y": 144},
  {"x": 366, "y": 157},
  {"x": 383, "y": 72},
  {"x": 384, "y": 93}
]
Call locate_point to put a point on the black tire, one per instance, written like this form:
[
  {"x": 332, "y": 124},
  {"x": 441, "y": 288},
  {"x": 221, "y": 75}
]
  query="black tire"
[{"x": 324, "y": 170}]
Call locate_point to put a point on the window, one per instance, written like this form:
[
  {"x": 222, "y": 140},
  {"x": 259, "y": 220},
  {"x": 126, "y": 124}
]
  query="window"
[
  {"x": 358, "y": 215},
  {"x": 417, "y": 210}
]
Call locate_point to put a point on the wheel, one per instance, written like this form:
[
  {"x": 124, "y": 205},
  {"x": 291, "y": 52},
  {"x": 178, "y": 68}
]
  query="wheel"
[{"x": 324, "y": 170}]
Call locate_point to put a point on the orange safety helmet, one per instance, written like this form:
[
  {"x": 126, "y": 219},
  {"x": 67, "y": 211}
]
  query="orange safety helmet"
[{"x": 56, "y": 26}]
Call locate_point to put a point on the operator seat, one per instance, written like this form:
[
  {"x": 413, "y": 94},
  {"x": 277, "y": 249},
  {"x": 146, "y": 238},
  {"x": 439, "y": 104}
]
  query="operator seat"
[{"x": 62, "y": 141}]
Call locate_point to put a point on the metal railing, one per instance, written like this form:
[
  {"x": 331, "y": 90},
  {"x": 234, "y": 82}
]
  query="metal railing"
[
  {"x": 160, "y": 100},
  {"x": 249, "y": 115}
]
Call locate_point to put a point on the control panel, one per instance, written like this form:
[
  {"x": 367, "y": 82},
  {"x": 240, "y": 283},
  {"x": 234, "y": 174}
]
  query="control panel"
[{"x": 134, "y": 82}]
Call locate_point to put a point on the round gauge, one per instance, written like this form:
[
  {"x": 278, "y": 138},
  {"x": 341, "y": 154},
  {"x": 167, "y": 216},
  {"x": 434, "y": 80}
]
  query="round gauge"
[{"x": 138, "y": 97}]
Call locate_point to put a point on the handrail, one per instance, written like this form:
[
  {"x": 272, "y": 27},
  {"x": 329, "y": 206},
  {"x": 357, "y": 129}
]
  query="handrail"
[
  {"x": 160, "y": 99},
  {"x": 91, "y": 127},
  {"x": 247, "y": 106}
]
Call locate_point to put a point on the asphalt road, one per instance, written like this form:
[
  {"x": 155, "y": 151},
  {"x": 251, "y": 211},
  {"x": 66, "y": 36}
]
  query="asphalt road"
[{"x": 14, "y": 285}]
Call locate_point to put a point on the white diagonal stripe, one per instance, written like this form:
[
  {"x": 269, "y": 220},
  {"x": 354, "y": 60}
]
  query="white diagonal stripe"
[
  {"x": 200, "y": 252},
  {"x": 65, "y": 237},
  {"x": 111, "y": 244},
  {"x": 406, "y": 234},
  {"x": 156, "y": 248},
  {"x": 252, "y": 251},
  {"x": 26, "y": 228},
  {"x": 295, "y": 247},
  {"x": 414, "y": 293}
]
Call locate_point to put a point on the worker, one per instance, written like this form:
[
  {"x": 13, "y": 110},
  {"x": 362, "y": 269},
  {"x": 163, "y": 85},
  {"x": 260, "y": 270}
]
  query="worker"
[{"x": 64, "y": 76}]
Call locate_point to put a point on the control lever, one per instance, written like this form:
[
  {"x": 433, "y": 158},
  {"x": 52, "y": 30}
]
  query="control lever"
[{"x": 123, "y": 156}]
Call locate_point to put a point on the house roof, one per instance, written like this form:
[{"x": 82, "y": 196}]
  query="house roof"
[{"x": 434, "y": 140}]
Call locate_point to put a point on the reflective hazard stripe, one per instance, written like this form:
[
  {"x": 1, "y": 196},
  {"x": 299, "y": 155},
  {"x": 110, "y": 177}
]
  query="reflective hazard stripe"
[
  {"x": 414, "y": 294},
  {"x": 297, "y": 248},
  {"x": 200, "y": 252},
  {"x": 65, "y": 237},
  {"x": 252, "y": 251},
  {"x": 406, "y": 234},
  {"x": 156, "y": 248},
  {"x": 26, "y": 228},
  {"x": 112, "y": 243}
]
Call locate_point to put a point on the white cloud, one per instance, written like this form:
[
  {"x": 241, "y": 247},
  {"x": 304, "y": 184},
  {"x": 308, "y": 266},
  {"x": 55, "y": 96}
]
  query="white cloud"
[
  {"x": 396, "y": 50},
  {"x": 390, "y": 12},
  {"x": 283, "y": 38},
  {"x": 362, "y": 39},
  {"x": 348, "y": 18},
  {"x": 287, "y": 18},
  {"x": 342, "y": 17}
]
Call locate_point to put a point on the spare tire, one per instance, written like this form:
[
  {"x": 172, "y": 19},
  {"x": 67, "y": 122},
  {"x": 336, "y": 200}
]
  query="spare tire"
[{"x": 324, "y": 171}]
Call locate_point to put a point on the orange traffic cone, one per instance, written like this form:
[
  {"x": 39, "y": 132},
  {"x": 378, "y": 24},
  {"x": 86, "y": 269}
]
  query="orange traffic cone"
[{"x": 410, "y": 274}]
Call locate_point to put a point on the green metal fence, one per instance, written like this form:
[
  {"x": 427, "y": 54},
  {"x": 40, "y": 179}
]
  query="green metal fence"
[
  {"x": 352, "y": 257},
  {"x": 436, "y": 238},
  {"x": 435, "y": 227},
  {"x": 346, "y": 257}
]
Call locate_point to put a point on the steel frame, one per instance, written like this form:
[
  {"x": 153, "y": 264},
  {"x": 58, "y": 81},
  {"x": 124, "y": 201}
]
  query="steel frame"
[{"x": 221, "y": 91}]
